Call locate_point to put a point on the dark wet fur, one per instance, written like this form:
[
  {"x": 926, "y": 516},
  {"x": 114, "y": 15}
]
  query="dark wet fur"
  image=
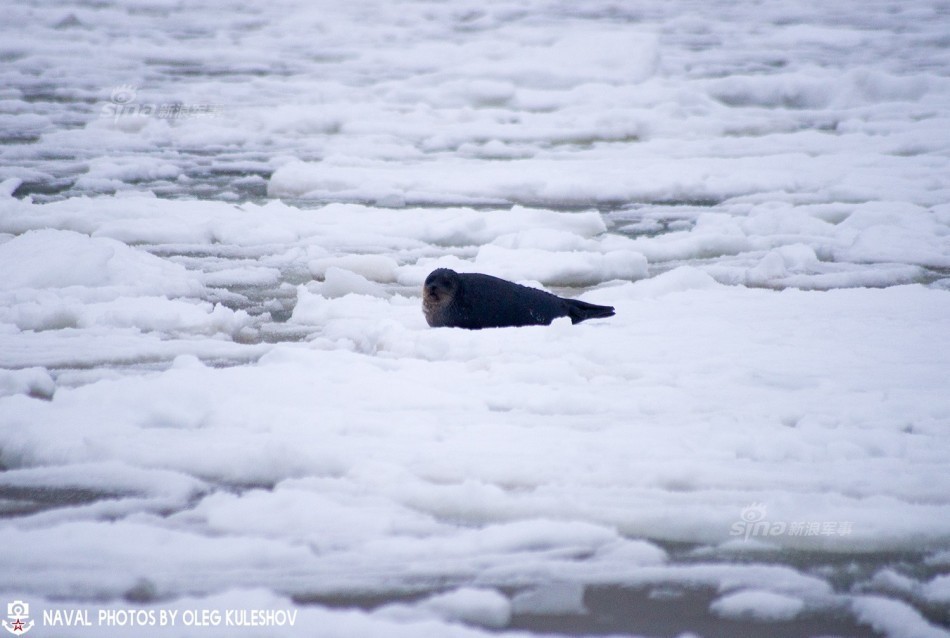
[{"x": 475, "y": 301}]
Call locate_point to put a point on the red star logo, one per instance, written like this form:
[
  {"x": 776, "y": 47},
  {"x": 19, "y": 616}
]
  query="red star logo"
[{"x": 17, "y": 625}]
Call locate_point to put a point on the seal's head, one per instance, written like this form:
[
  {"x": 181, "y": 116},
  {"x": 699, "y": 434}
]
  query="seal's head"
[{"x": 437, "y": 294}]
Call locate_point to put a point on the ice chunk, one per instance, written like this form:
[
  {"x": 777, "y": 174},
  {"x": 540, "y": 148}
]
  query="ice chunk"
[
  {"x": 378, "y": 268},
  {"x": 8, "y": 186},
  {"x": 759, "y": 605},
  {"x": 60, "y": 259},
  {"x": 559, "y": 268},
  {"x": 484, "y": 607},
  {"x": 937, "y": 590},
  {"x": 338, "y": 282},
  {"x": 894, "y": 618},
  {"x": 35, "y": 382},
  {"x": 556, "y": 598}
]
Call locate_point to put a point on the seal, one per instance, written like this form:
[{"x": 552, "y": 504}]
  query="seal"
[{"x": 475, "y": 301}]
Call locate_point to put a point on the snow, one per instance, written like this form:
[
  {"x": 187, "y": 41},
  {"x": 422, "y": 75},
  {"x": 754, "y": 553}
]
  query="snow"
[{"x": 218, "y": 390}]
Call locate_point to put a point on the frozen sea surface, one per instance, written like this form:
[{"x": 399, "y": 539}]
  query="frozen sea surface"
[{"x": 218, "y": 391}]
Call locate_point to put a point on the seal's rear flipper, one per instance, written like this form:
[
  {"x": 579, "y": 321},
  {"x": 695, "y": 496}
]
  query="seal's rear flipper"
[{"x": 580, "y": 310}]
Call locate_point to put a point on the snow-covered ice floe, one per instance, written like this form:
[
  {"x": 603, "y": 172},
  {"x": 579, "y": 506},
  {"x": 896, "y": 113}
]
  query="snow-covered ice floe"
[{"x": 218, "y": 391}]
